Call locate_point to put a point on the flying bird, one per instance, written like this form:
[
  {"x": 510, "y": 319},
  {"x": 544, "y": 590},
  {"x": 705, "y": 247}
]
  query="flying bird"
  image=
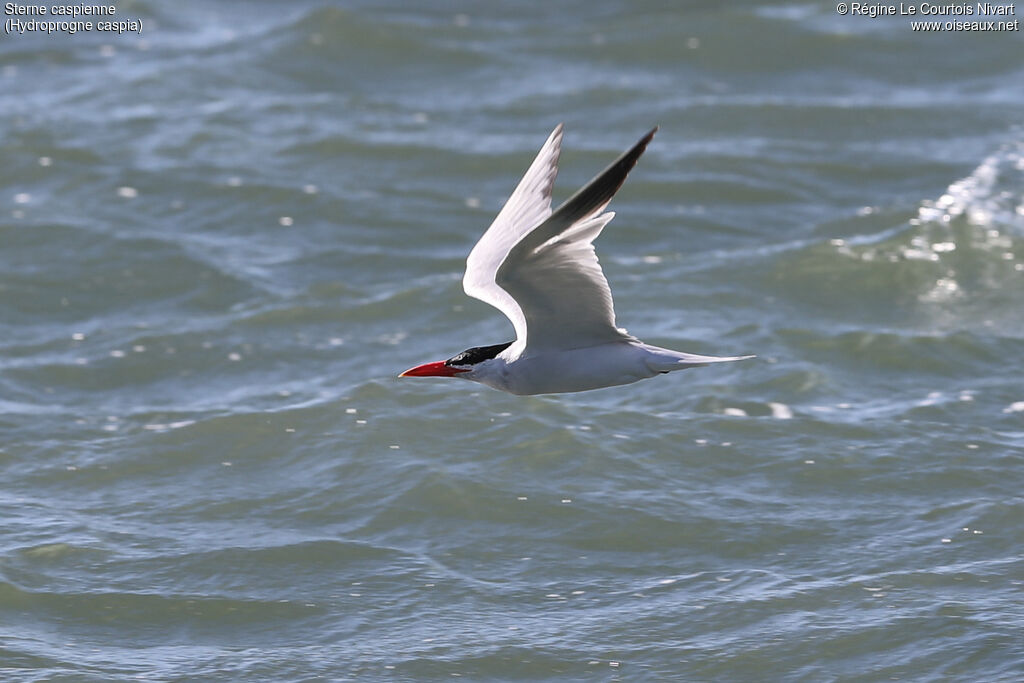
[{"x": 540, "y": 269}]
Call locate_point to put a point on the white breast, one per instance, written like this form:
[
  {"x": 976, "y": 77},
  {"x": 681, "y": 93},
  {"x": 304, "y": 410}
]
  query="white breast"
[{"x": 571, "y": 370}]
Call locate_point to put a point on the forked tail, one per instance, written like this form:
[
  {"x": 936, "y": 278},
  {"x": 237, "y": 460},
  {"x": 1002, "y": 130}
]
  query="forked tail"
[{"x": 667, "y": 360}]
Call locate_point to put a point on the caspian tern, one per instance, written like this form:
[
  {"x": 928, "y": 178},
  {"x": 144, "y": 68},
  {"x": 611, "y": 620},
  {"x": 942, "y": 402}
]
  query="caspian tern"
[{"x": 540, "y": 269}]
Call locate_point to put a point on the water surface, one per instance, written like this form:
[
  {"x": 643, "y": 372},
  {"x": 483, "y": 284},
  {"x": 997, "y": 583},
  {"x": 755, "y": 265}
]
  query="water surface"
[{"x": 224, "y": 237}]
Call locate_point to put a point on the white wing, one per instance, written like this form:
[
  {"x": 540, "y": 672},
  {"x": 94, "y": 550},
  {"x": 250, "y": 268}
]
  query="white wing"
[
  {"x": 540, "y": 269},
  {"x": 527, "y": 207}
]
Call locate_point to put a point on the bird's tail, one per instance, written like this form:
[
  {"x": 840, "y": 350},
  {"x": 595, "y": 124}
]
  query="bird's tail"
[{"x": 667, "y": 360}]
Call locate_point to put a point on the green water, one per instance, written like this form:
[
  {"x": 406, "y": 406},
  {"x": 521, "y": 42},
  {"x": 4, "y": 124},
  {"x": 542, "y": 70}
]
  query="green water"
[{"x": 222, "y": 238}]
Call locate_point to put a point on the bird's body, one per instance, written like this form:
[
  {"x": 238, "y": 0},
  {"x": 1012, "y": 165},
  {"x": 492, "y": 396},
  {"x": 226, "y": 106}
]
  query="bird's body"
[
  {"x": 539, "y": 268},
  {"x": 593, "y": 367}
]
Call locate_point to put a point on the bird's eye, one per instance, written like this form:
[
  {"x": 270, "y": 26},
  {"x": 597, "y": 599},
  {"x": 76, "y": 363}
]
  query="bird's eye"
[{"x": 477, "y": 354}]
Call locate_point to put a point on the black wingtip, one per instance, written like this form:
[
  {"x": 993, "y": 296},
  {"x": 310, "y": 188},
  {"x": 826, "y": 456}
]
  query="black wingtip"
[
  {"x": 596, "y": 194},
  {"x": 633, "y": 155}
]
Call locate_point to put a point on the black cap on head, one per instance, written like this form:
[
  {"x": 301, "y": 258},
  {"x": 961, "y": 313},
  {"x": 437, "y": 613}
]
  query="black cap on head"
[{"x": 477, "y": 354}]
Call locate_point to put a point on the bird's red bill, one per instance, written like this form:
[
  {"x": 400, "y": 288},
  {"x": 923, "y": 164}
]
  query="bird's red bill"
[{"x": 438, "y": 369}]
